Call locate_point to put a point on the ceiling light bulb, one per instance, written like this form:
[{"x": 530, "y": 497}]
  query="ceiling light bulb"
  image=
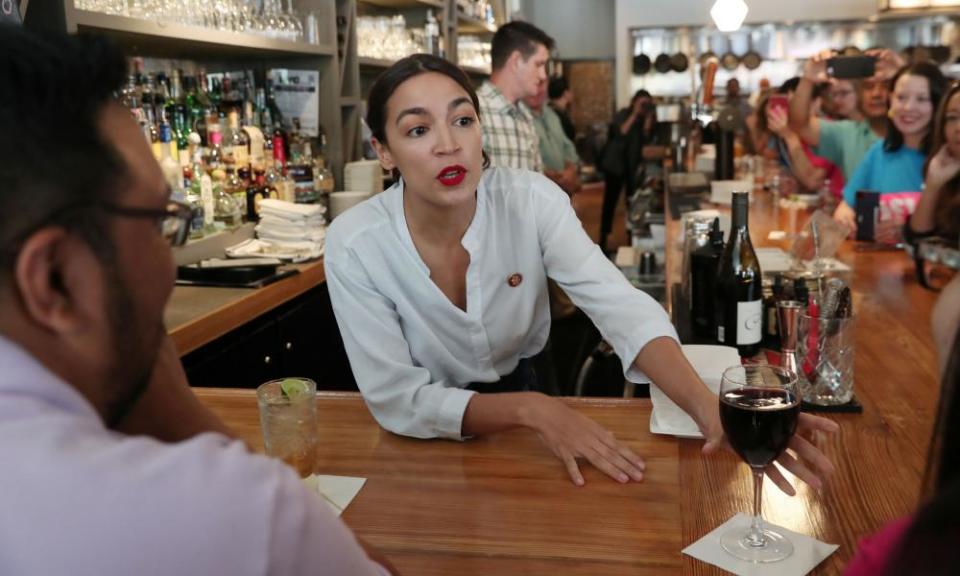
[{"x": 728, "y": 15}]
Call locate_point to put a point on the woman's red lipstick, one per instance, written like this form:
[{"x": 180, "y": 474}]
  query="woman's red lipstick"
[{"x": 452, "y": 175}]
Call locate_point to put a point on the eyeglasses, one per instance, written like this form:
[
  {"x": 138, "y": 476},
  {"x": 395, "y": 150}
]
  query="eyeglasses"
[
  {"x": 173, "y": 222},
  {"x": 936, "y": 263}
]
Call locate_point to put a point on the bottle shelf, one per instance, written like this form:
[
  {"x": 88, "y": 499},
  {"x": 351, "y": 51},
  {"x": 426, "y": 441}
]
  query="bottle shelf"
[
  {"x": 436, "y": 4},
  {"x": 367, "y": 62},
  {"x": 182, "y": 40},
  {"x": 475, "y": 71},
  {"x": 467, "y": 25}
]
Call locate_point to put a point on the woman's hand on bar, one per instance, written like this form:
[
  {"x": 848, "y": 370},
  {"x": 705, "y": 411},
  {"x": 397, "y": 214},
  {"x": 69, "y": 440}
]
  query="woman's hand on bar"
[{"x": 571, "y": 436}]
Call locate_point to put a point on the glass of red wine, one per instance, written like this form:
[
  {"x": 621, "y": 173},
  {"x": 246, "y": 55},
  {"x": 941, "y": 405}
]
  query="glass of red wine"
[{"x": 759, "y": 409}]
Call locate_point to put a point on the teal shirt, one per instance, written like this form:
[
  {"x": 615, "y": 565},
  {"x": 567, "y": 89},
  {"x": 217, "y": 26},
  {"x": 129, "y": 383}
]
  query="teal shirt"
[
  {"x": 555, "y": 148},
  {"x": 886, "y": 172},
  {"x": 845, "y": 143}
]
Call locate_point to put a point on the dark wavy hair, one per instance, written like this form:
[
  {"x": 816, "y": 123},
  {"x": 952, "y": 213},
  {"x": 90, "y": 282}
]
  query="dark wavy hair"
[
  {"x": 403, "y": 70},
  {"x": 948, "y": 202},
  {"x": 937, "y": 83},
  {"x": 929, "y": 546},
  {"x": 54, "y": 161}
]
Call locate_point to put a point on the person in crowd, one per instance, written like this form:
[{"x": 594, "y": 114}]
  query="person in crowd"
[
  {"x": 895, "y": 164},
  {"x": 439, "y": 288},
  {"x": 112, "y": 465},
  {"x": 519, "y": 53},
  {"x": 926, "y": 541},
  {"x": 736, "y": 101},
  {"x": 631, "y": 139},
  {"x": 812, "y": 172},
  {"x": 560, "y": 160},
  {"x": 844, "y": 142},
  {"x": 938, "y": 212},
  {"x": 561, "y": 98},
  {"x": 763, "y": 88},
  {"x": 840, "y": 101}
]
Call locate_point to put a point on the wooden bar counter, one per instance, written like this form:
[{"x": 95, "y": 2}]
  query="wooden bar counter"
[
  {"x": 198, "y": 315},
  {"x": 504, "y": 505}
]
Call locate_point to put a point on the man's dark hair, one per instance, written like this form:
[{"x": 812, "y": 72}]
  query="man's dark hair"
[
  {"x": 557, "y": 86},
  {"x": 517, "y": 36},
  {"x": 54, "y": 162}
]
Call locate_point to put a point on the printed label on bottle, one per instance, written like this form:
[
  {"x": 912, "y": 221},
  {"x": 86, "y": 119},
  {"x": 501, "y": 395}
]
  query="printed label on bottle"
[
  {"x": 749, "y": 322},
  {"x": 241, "y": 156}
]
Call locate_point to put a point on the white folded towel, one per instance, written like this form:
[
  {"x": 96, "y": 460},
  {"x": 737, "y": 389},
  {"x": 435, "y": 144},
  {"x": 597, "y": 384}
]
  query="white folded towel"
[{"x": 292, "y": 212}]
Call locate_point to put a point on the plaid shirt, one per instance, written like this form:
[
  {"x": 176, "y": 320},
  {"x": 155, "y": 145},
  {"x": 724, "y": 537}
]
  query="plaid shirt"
[{"x": 509, "y": 135}]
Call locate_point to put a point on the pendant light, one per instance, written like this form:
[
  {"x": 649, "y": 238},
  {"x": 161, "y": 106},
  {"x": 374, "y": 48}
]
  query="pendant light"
[{"x": 728, "y": 15}]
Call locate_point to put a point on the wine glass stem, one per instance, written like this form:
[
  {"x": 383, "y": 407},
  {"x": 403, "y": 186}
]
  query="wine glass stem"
[{"x": 756, "y": 538}]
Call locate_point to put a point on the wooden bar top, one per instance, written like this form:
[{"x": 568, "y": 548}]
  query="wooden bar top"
[
  {"x": 503, "y": 504},
  {"x": 198, "y": 315}
]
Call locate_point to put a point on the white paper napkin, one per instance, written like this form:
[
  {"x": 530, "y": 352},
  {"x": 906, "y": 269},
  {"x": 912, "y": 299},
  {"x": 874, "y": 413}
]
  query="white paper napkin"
[
  {"x": 337, "y": 491},
  {"x": 709, "y": 362},
  {"x": 807, "y": 552}
]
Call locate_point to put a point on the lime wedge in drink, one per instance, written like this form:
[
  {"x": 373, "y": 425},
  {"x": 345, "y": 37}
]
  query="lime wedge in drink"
[{"x": 291, "y": 387}]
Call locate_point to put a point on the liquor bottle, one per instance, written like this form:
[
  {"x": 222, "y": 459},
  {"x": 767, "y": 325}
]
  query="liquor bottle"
[
  {"x": 215, "y": 159},
  {"x": 431, "y": 35},
  {"x": 771, "y": 330},
  {"x": 172, "y": 172},
  {"x": 255, "y": 139},
  {"x": 300, "y": 166},
  {"x": 203, "y": 186},
  {"x": 703, "y": 271},
  {"x": 738, "y": 305},
  {"x": 237, "y": 144},
  {"x": 194, "y": 198},
  {"x": 323, "y": 176}
]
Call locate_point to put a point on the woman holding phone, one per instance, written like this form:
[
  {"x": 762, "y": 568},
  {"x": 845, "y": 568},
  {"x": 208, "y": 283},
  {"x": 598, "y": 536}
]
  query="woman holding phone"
[
  {"x": 439, "y": 289},
  {"x": 811, "y": 171},
  {"x": 895, "y": 164}
]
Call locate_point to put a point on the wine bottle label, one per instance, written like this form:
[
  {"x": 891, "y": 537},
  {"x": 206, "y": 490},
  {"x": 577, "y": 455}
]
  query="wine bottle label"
[
  {"x": 240, "y": 155},
  {"x": 749, "y": 322}
]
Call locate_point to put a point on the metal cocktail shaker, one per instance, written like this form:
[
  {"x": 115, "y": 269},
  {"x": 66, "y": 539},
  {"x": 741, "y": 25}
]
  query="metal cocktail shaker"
[{"x": 788, "y": 318}]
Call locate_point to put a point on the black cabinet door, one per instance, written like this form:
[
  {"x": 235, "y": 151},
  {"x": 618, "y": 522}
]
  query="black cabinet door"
[
  {"x": 245, "y": 358},
  {"x": 298, "y": 327},
  {"x": 310, "y": 342}
]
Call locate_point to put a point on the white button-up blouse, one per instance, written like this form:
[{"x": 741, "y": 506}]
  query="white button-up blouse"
[{"x": 413, "y": 351}]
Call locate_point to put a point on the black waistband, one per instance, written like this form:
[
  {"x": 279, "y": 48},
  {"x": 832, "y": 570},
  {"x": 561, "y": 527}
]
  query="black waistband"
[{"x": 522, "y": 379}]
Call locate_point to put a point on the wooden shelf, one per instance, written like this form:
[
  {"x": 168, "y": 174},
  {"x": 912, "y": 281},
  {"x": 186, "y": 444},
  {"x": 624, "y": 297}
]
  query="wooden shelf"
[
  {"x": 375, "y": 62},
  {"x": 185, "y": 41},
  {"x": 473, "y": 26},
  {"x": 435, "y": 4},
  {"x": 474, "y": 71}
]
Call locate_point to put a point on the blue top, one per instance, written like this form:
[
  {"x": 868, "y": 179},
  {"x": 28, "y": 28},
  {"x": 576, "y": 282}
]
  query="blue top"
[{"x": 886, "y": 172}]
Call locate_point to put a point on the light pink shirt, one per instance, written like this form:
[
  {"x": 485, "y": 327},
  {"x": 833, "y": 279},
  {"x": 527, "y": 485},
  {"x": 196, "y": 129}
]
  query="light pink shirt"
[{"x": 78, "y": 499}]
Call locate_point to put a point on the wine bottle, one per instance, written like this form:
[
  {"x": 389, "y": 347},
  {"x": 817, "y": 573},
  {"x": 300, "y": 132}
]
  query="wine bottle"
[
  {"x": 703, "y": 274},
  {"x": 739, "y": 303}
]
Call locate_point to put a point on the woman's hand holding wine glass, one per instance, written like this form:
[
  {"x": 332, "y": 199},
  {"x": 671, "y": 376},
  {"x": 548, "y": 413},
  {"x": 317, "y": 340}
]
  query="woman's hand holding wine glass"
[{"x": 759, "y": 420}]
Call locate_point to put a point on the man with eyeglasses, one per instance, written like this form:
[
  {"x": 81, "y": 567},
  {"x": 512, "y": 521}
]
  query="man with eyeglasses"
[{"x": 110, "y": 465}]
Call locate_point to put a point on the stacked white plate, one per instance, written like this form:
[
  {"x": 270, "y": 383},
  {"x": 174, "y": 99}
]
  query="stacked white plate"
[
  {"x": 340, "y": 202},
  {"x": 363, "y": 176}
]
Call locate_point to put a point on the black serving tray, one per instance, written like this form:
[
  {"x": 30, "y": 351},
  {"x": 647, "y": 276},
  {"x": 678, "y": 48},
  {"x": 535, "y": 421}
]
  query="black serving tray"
[{"x": 232, "y": 277}]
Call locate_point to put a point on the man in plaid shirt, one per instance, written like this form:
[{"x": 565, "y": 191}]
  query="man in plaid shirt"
[{"x": 519, "y": 53}]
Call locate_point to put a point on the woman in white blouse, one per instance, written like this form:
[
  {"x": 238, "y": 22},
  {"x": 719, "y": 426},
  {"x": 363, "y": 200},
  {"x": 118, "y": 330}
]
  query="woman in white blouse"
[{"x": 439, "y": 289}]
